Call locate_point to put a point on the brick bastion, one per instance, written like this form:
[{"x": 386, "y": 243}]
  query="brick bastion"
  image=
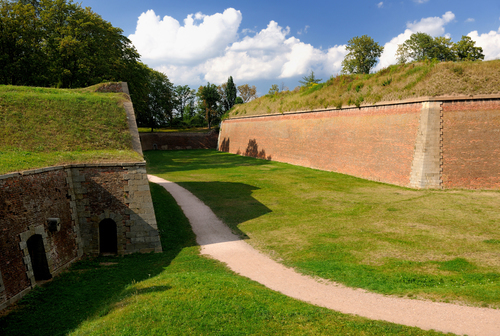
[
  {"x": 429, "y": 142},
  {"x": 53, "y": 216}
]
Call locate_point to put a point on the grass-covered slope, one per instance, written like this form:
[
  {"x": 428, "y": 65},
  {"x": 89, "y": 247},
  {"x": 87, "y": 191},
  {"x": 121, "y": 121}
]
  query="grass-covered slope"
[
  {"x": 43, "y": 127},
  {"x": 441, "y": 245},
  {"x": 396, "y": 82}
]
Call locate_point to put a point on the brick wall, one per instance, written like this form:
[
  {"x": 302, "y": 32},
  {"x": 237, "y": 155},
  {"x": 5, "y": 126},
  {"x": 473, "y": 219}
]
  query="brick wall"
[
  {"x": 26, "y": 202},
  {"x": 170, "y": 141},
  {"x": 375, "y": 142},
  {"x": 471, "y": 144},
  {"x": 81, "y": 196}
]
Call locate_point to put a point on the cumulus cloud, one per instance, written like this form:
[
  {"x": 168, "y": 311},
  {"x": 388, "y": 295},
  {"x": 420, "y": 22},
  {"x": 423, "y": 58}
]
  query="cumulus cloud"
[
  {"x": 380, "y": 4},
  {"x": 201, "y": 36},
  {"x": 433, "y": 26},
  {"x": 490, "y": 42},
  {"x": 186, "y": 57},
  {"x": 470, "y": 20},
  {"x": 420, "y": 1}
]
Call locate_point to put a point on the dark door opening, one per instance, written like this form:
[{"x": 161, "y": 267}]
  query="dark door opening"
[
  {"x": 38, "y": 258},
  {"x": 108, "y": 237}
]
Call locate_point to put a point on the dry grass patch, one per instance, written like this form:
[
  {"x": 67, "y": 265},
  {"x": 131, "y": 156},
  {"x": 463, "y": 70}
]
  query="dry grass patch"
[{"x": 396, "y": 82}]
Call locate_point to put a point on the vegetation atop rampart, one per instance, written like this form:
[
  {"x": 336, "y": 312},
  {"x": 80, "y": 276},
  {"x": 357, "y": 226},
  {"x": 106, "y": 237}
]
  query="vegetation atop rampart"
[
  {"x": 396, "y": 82},
  {"x": 43, "y": 127}
]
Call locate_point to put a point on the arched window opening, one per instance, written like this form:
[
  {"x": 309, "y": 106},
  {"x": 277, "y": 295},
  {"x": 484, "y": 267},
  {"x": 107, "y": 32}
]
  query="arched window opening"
[
  {"x": 108, "y": 237},
  {"x": 38, "y": 258}
]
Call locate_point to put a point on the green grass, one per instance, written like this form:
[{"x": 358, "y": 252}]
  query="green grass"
[
  {"x": 176, "y": 292},
  {"x": 396, "y": 82},
  {"x": 431, "y": 244},
  {"x": 44, "y": 127},
  {"x": 11, "y": 161}
]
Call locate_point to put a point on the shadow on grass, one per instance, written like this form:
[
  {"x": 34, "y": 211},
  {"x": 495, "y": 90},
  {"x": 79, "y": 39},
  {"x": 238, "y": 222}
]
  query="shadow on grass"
[
  {"x": 160, "y": 162},
  {"x": 231, "y": 201},
  {"x": 90, "y": 289}
]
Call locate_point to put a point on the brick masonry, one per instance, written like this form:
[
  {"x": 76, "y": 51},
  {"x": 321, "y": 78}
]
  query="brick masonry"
[
  {"x": 430, "y": 142},
  {"x": 375, "y": 143},
  {"x": 172, "y": 141},
  {"x": 471, "y": 144},
  {"x": 80, "y": 196}
]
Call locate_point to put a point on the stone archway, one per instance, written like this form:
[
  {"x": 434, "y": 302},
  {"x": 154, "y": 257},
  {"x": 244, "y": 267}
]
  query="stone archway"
[
  {"x": 36, "y": 250},
  {"x": 108, "y": 237}
]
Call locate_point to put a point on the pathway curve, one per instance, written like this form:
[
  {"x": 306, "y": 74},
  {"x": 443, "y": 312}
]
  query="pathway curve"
[{"x": 217, "y": 240}]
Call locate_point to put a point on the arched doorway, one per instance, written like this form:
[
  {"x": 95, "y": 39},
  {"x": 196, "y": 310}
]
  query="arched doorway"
[
  {"x": 108, "y": 237},
  {"x": 38, "y": 258}
]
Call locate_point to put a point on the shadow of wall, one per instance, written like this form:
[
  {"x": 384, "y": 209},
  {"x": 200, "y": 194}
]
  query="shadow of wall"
[{"x": 176, "y": 141}]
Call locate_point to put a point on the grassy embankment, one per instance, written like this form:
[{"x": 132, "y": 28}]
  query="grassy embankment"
[
  {"x": 396, "y": 82},
  {"x": 176, "y": 292},
  {"x": 44, "y": 127},
  {"x": 428, "y": 244}
]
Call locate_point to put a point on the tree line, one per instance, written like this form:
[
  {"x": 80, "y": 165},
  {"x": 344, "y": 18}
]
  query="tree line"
[
  {"x": 363, "y": 54},
  {"x": 58, "y": 43}
]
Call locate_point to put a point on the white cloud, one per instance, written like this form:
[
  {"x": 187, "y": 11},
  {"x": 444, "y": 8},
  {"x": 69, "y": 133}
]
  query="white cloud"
[
  {"x": 490, "y": 43},
  {"x": 380, "y": 5},
  {"x": 207, "y": 48},
  {"x": 200, "y": 37},
  {"x": 470, "y": 20},
  {"x": 303, "y": 31},
  {"x": 433, "y": 26},
  {"x": 420, "y": 1}
]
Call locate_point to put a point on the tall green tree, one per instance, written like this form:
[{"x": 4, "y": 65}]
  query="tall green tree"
[
  {"x": 209, "y": 100},
  {"x": 363, "y": 54},
  {"x": 160, "y": 100},
  {"x": 184, "y": 97},
  {"x": 422, "y": 46},
  {"x": 230, "y": 93},
  {"x": 59, "y": 43},
  {"x": 466, "y": 50}
]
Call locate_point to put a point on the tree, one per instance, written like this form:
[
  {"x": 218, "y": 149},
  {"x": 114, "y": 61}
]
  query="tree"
[
  {"x": 238, "y": 100},
  {"x": 363, "y": 54},
  {"x": 59, "y": 43},
  {"x": 183, "y": 97},
  {"x": 308, "y": 80},
  {"x": 160, "y": 100},
  {"x": 210, "y": 99},
  {"x": 230, "y": 94},
  {"x": 247, "y": 92},
  {"x": 422, "y": 46},
  {"x": 274, "y": 89},
  {"x": 466, "y": 50}
]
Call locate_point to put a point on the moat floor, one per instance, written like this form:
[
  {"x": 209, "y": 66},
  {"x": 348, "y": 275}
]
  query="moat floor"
[{"x": 217, "y": 241}]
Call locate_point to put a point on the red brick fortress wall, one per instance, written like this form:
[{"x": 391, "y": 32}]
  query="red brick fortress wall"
[
  {"x": 471, "y": 144},
  {"x": 375, "y": 142},
  {"x": 430, "y": 142},
  {"x": 173, "y": 141}
]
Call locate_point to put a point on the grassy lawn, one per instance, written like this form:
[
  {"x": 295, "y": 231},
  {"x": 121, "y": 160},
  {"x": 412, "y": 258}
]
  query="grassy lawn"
[
  {"x": 176, "y": 292},
  {"x": 431, "y": 244},
  {"x": 42, "y": 127}
]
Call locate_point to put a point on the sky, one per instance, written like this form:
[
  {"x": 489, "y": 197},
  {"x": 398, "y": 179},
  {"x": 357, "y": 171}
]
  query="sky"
[{"x": 276, "y": 42}]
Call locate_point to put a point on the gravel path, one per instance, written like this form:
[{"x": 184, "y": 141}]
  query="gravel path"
[{"x": 217, "y": 241}]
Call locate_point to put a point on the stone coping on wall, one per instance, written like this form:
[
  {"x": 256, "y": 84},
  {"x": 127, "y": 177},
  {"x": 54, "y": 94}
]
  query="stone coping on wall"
[
  {"x": 69, "y": 166},
  {"x": 386, "y": 103}
]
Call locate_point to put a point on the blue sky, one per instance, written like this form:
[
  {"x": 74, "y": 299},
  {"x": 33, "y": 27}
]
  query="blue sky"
[{"x": 272, "y": 42}]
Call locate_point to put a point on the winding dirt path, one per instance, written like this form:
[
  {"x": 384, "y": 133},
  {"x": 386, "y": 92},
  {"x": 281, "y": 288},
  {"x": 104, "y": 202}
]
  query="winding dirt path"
[{"x": 217, "y": 240}]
